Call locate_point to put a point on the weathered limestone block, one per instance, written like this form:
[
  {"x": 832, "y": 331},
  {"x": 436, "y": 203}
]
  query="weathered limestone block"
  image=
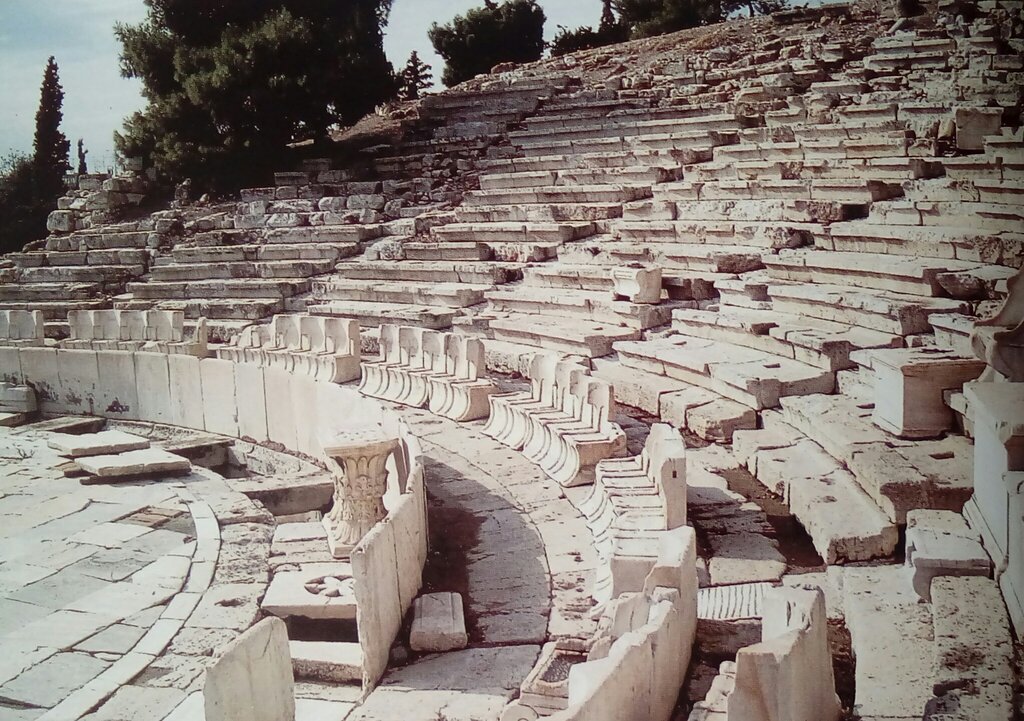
[
  {"x": 366, "y": 202},
  {"x": 999, "y": 340},
  {"x": 17, "y": 399},
  {"x": 973, "y": 124},
  {"x": 61, "y": 221},
  {"x": 637, "y": 284},
  {"x": 146, "y": 462},
  {"x": 22, "y": 327},
  {"x": 438, "y": 623},
  {"x": 252, "y": 680},
  {"x": 909, "y": 386},
  {"x": 96, "y": 444}
]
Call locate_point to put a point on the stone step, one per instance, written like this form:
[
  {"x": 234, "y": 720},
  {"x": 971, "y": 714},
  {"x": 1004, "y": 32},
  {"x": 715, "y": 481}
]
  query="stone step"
[
  {"x": 964, "y": 243},
  {"x": 765, "y": 210},
  {"x": 595, "y": 306},
  {"x": 701, "y": 143},
  {"x": 512, "y": 232},
  {"x": 749, "y": 235},
  {"x": 665, "y": 160},
  {"x": 877, "y": 310},
  {"x": 606, "y": 128},
  {"x": 898, "y": 475},
  {"x": 103, "y": 241},
  {"x": 241, "y": 269},
  {"x": 847, "y": 191},
  {"x": 47, "y": 291},
  {"x": 590, "y": 116},
  {"x": 431, "y": 271},
  {"x": 867, "y": 169},
  {"x": 985, "y": 190},
  {"x": 629, "y": 175},
  {"x": 451, "y": 295},
  {"x": 372, "y": 315},
  {"x": 323, "y": 234},
  {"x": 843, "y": 522},
  {"x": 913, "y": 276},
  {"x": 697, "y": 257},
  {"x": 982, "y": 217},
  {"x": 745, "y": 375},
  {"x": 228, "y": 308},
  {"x": 571, "y": 276},
  {"x": 118, "y": 256},
  {"x": 218, "y": 289},
  {"x": 557, "y": 194},
  {"x": 892, "y": 640},
  {"x": 525, "y": 252},
  {"x": 538, "y": 213},
  {"x": 107, "y": 274},
  {"x": 821, "y": 344},
  {"x": 572, "y": 336},
  {"x": 55, "y": 310},
  {"x": 266, "y": 253}
]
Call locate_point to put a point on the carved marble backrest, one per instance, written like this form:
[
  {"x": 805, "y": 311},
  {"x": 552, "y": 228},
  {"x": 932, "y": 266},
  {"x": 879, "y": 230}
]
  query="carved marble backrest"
[
  {"x": 389, "y": 352},
  {"x": 474, "y": 358},
  {"x": 133, "y": 325},
  {"x": 286, "y": 333},
  {"x": 165, "y": 325},
  {"x": 22, "y": 324},
  {"x": 312, "y": 332},
  {"x": 341, "y": 335},
  {"x": 599, "y": 404},
  {"x": 410, "y": 346},
  {"x": 999, "y": 340},
  {"x": 432, "y": 355},
  {"x": 80, "y": 324},
  {"x": 542, "y": 374},
  {"x": 556, "y": 392},
  {"x": 253, "y": 336},
  {"x": 667, "y": 471},
  {"x": 106, "y": 325},
  {"x": 574, "y": 399},
  {"x": 454, "y": 348}
]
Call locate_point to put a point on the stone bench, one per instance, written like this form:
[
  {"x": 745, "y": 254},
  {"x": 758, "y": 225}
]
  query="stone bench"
[
  {"x": 562, "y": 423},
  {"x": 320, "y": 347},
  {"x": 21, "y": 327},
  {"x": 427, "y": 368},
  {"x": 644, "y": 493},
  {"x": 159, "y": 331}
]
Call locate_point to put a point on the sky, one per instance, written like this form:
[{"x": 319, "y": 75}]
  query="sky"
[{"x": 79, "y": 34}]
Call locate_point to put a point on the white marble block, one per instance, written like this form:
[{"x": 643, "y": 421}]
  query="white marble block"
[
  {"x": 147, "y": 462},
  {"x": 939, "y": 543},
  {"x": 252, "y": 680},
  {"x": 438, "y": 623},
  {"x": 17, "y": 399},
  {"x": 96, "y": 444},
  {"x": 909, "y": 385},
  {"x": 638, "y": 284}
]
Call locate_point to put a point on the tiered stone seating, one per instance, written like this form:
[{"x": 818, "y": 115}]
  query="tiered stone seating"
[
  {"x": 426, "y": 368},
  {"x": 80, "y": 270},
  {"x": 22, "y": 327},
  {"x": 562, "y": 423},
  {"x": 631, "y": 500},
  {"x": 161, "y": 331},
  {"x": 325, "y": 349}
]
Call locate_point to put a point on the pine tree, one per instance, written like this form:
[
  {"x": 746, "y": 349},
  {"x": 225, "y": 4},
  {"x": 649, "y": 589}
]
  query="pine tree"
[
  {"x": 416, "y": 77},
  {"x": 82, "y": 152},
  {"x": 50, "y": 156},
  {"x": 608, "y": 21}
]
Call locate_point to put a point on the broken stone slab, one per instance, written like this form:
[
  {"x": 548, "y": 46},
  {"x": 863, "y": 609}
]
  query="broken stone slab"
[
  {"x": 438, "y": 623},
  {"x": 322, "y": 593},
  {"x": 146, "y": 462},
  {"x": 252, "y": 680},
  {"x": 96, "y": 444},
  {"x": 334, "y": 662},
  {"x": 744, "y": 558}
]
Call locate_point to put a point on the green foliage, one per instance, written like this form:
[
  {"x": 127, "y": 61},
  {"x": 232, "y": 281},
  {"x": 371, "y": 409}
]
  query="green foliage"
[
  {"x": 474, "y": 43},
  {"x": 656, "y": 17},
  {"x": 30, "y": 185},
  {"x": 230, "y": 83},
  {"x": 50, "y": 147},
  {"x": 415, "y": 78},
  {"x": 609, "y": 32}
]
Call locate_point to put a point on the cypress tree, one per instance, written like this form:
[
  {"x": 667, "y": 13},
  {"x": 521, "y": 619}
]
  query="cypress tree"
[{"x": 50, "y": 147}]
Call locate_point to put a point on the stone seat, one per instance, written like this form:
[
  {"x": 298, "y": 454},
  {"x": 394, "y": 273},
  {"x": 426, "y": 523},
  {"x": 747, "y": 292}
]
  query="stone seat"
[
  {"x": 263, "y": 253},
  {"x": 751, "y": 235},
  {"x": 241, "y": 269},
  {"x": 427, "y": 368},
  {"x": 634, "y": 174},
  {"x": 117, "y": 256},
  {"x": 323, "y": 234},
  {"x": 517, "y": 252},
  {"x": 748, "y": 376},
  {"x": 219, "y": 289},
  {"x": 964, "y": 243},
  {"x": 891, "y": 169},
  {"x": 573, "y": 336},
  {"x": 538, "y": 213},
  {"x": 228, "y": 308},
  {"x": 698, "y": 141},
  {"x": 432, "y": 271},
  {"x": 853, "y": 191},
  {"x": 451, "y": 295},
  {"x": 562, "y": 424},
  {"x": 27, "y": 292},
  {"x": 104, "y": 274},
  {"x": 990, "y": 217},
  {"x": 101, "y": 241},
  {"x": 591, "y": 161},
  {"x": 22, "y": 327},
  {"x": 879, "y": 310},
  {"x": 54, "y": 310},
  {"x": 595, "y": 306},
  {"x": 668, "y": 254},
  {"x": 557, "y": 194},
  {"x": 762, "y": 210},
  {"x": 822, "y": 344},
  {"x": 900, "y": 274},
  {"x": 604, "y": 127},
  {"x": 322, "y": 348},
  {"x": 513, "y": 232}
]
